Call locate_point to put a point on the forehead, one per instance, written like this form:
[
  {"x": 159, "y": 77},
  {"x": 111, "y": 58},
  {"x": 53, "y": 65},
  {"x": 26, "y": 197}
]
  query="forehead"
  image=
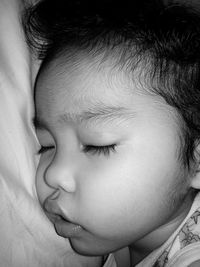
[
  {"x": 85, "y": 87},
  {"x": 80, "y": 83}
]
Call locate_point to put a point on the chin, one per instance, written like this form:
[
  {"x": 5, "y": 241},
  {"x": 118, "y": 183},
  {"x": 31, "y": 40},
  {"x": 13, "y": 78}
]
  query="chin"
[
  {"x": 85, "y": 250},
  {"x": 89, "y": 248}
]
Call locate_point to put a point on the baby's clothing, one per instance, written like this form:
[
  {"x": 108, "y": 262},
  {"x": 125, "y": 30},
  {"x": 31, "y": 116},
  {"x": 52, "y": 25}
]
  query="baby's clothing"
[{"x": 181, "y": 249}]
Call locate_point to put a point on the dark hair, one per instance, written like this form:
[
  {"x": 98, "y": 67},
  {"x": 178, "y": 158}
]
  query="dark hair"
[{"x": 167, "y": 37}]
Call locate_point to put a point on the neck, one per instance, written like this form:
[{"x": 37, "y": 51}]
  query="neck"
[{"x": 143, "y": 247}]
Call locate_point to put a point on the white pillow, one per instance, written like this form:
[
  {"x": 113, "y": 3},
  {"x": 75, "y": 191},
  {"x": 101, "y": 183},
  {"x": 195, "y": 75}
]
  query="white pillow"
[{"x": 27, "y": 238}]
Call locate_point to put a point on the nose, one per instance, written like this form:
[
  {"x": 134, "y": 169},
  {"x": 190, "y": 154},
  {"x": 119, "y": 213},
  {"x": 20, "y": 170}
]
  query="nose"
[{"x": 60, "y": 173}]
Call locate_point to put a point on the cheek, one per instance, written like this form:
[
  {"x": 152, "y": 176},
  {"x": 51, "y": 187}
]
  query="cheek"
[{"x": 126, "y": 188}]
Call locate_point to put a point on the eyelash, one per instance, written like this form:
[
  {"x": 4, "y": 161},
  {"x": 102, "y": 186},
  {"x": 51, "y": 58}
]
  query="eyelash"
[
  {"x": 94, "y": 150},
  {"x": 98, "y": 150}
]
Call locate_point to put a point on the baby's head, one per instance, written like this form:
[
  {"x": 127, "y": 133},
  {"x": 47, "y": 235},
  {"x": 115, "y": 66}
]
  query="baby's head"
[{"x": 118, "y": 118}]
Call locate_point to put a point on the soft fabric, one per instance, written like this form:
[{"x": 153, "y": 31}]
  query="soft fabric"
[
  {"x": 181, "y": 250},
  {"x": 27, "y": 238}
]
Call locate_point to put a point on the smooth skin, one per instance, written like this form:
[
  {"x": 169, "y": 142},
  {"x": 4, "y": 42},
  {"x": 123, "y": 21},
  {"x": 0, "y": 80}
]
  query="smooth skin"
[{"x": 110, "y": 159}]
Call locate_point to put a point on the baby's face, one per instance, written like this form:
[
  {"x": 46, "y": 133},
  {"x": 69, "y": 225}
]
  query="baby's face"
[{"x": 109, "y": 168}]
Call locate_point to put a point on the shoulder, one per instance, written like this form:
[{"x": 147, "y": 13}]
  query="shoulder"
[{"x": 195, "y": 264}]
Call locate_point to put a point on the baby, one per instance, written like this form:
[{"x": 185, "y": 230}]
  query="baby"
[{"x": 118, "y": 118}]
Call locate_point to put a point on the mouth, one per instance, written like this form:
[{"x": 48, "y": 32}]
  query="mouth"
[{"x": 63, "y": 226}]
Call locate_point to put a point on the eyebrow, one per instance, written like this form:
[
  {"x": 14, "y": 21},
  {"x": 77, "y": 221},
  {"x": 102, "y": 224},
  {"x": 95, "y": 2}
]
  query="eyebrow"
[{"x": 97, "y": 114}]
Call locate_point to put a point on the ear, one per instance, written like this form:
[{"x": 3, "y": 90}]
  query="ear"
[{"x": 195, "y": 179}]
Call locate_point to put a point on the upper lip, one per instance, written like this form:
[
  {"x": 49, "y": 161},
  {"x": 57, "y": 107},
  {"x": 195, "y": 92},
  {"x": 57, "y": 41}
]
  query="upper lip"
[{"x": 53, "y": 210}]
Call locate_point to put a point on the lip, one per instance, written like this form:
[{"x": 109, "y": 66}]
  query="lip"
[
  {"x": 63, "y": 226},
  {"x": 67, "y": 229}
]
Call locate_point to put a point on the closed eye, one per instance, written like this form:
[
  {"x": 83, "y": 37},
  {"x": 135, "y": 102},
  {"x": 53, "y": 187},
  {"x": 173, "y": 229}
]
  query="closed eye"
[{"x": 98, "y": 150}]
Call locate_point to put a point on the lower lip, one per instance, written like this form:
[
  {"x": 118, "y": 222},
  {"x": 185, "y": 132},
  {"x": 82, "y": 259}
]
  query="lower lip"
[{"x": 67, "y": 229}]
